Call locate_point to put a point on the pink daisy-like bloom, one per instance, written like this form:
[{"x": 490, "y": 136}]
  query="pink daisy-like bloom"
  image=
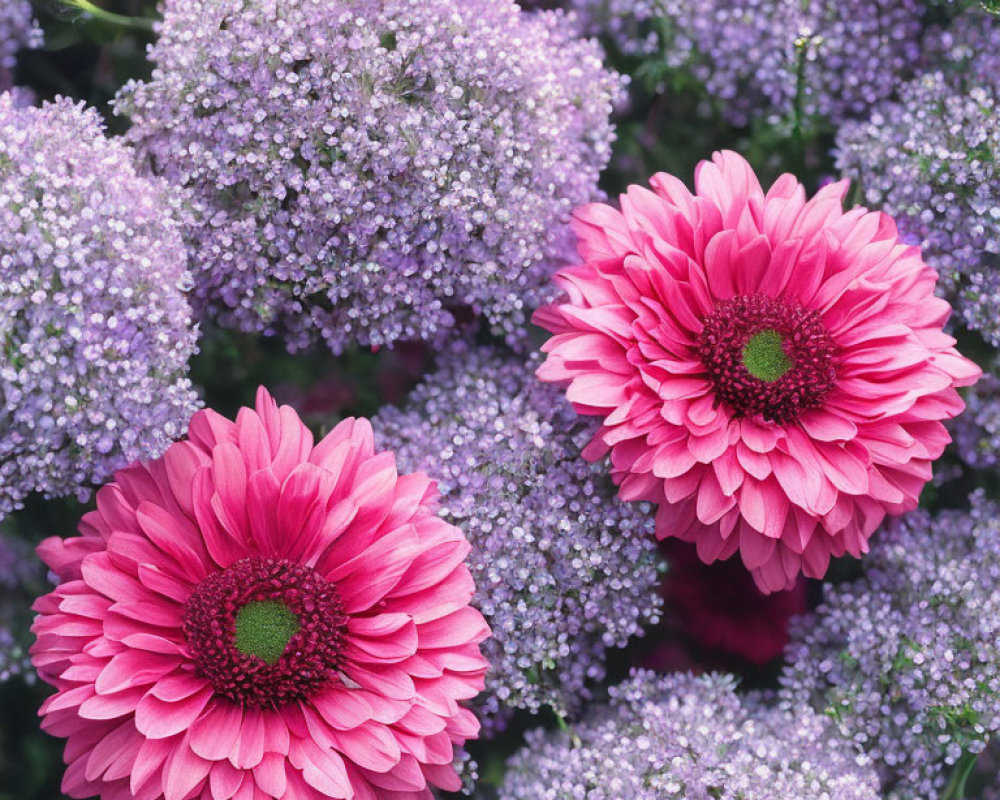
[
  {"x": 252, "y": 616},
  {"x": 772, "y": 371}
]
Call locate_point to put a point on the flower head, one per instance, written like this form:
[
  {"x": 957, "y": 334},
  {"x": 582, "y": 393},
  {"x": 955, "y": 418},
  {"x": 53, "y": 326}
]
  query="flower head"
[
  {"x": 770, "y": 370},
  {"x": 563, "y": 569},
  {"x": 358, "y": 170},
  {"x": 907, "y": 658},
  {"x": 681, "y": 737},
  {"x": 255, "y": 610},
  {"x": 95, "y": 328}
]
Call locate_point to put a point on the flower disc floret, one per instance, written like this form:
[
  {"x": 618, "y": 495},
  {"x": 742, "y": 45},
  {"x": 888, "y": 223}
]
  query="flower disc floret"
[
  {"x": 265, "y": 631},
  {"x": 95, "y": 327},
  {"x": 766, "y": 358},
  {"x": 771, "y": 370},
  {"x": 356, "y": 171},
  {"x": 264, "y": 628}
]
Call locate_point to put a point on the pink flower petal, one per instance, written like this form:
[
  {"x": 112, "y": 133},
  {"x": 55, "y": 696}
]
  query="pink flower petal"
[
  {"x": 159, "y": 719},
  {"x": 215, "y": 732}
]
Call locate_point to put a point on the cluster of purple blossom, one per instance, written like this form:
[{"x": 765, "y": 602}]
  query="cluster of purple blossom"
[
  {"x": 976, "y": 432},
  {"x": 777, "y": 59},
  {"x": 95, "y": 330},
  {"x": 360, "y": 173},
  {"x": 348, "y": 174},
  {"x": 356, "y": 172},
  {"x": 682, "y": 737},
  {"x": 563, "y": 569},
  {"x": 907, "y": 658},
  {"x": 627, "y": 24},
  {"x": 18, "y": 30},
  {"x": 21, "y": 577},
  {"x": 931, "y": 158}
]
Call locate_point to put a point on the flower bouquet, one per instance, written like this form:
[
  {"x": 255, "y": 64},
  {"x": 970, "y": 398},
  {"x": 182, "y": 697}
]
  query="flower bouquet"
[{"x": 575, "y": 400}]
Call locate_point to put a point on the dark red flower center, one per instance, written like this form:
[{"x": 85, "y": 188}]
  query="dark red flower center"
[
  {"x": 767, "y": 358},
  {"x": 266, "y": 631}
]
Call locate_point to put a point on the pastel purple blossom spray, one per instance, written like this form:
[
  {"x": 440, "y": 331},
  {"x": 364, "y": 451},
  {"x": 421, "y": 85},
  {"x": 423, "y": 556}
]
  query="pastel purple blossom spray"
[{"x": 95, "y": 328}]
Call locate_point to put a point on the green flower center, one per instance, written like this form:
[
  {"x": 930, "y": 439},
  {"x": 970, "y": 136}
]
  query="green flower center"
[
  {"x": 264, "y": 628},
  {"x": 764, "y": 357}
]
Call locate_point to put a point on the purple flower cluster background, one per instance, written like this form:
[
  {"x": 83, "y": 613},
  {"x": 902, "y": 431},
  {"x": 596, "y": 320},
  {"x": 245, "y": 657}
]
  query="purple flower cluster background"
[
  {"x": 96, "y": 328},
  {"x": 360, "y": 203},
  {"x": 563, "y": 569},
  {"x": 680, "y": 736}
]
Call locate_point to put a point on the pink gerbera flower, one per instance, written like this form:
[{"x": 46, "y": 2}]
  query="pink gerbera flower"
[
  {"x": 771, "y": 370},
  {"x": 254, "y": 617}
]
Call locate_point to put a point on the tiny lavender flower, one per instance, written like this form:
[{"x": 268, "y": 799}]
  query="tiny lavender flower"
[
  {"x": 358, "y": 170},
  {"x": 681, "y": 737},
  {"x": 907, "y": 658},
  {"x": 563, "y": 570},
  {"x": 95, "y": 331},
  {"x": 930, "y": 160}
]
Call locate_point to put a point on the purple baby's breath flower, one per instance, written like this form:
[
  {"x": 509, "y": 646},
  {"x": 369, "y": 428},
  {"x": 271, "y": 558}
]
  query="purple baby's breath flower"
[
  {"x": 685, "y": 737},
  {"x": 907, "y": 658},
  {"x": 930, "y": 159},
  {"x": 976, "y": 431},
  {"x": 563, "y": 570},
  {"x": 357, "y": 171},
  {"x": 833, "y": 58},
  {"x": 95, "y": 330},
  {"x": 627, "y": 24}
]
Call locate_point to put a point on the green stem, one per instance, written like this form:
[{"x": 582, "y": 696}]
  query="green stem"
[
  {"x": 955, "y": 790},
  {"x": 85, "y": 6},
  {"x": 561, "y": 721},
  {"x": 801, "y": 46},
  {"x": 565, "y": 728}
]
